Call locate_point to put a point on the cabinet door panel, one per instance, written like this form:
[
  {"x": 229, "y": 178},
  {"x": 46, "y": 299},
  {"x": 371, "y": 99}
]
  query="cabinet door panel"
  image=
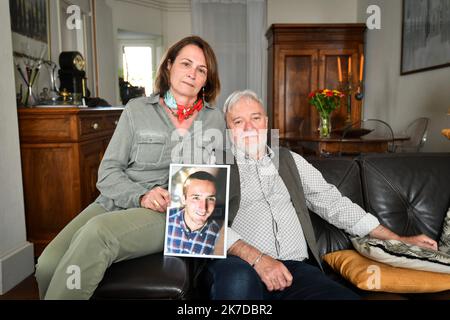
[
  {"x": 90, "y": 156},
  {"x": 61, "y": 150},
  {"x": 51, "y": 189},
  {"x": 297, "y": 77},
  {"x": 105, "y": 144}
]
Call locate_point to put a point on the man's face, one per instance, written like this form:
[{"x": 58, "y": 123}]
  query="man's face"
[
  {"x": 199, "y": 201},
  {"x": 248, "y": 123}
]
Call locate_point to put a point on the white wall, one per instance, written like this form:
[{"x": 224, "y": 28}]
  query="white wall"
[
  {"x": 311, "y": 11},
  {"x": 170, "y": 20},
  {"x": 108, "y": 85},
  {"x": 133, "y": 17},
  {"x": 400, "y": 99},
  {"x": 16, "y": 254},
  {"x": 176, "y": 25}
]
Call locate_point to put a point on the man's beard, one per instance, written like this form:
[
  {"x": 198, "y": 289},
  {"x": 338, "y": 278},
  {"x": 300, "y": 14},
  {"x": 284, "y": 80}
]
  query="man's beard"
[{"x": 252, "y": 143}]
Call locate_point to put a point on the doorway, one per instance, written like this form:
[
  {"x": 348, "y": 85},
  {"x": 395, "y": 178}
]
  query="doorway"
[{"x": 139, "y": 55}]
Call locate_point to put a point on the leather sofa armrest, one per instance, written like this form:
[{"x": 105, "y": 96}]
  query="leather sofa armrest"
[{"x": 153, "y": 276}]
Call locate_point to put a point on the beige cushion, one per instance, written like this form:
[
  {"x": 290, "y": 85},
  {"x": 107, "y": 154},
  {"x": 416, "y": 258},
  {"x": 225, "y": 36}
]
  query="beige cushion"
[
  {"x": 403, "y": 255},
  {"x": 371, "y": 275},
  {"x": 444, "y": 241}
]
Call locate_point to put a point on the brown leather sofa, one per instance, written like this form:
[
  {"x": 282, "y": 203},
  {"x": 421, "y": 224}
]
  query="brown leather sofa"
[{"x": 409, "y": 193}]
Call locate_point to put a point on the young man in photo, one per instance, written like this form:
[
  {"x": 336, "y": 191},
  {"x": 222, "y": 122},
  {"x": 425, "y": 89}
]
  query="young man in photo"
[{"x": 190, "y": 229}]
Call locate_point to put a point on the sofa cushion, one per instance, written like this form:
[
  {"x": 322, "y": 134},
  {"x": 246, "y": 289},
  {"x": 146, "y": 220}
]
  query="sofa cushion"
[
  {"x": 344, "y": 173},
  {"x": 367, "y": 274},
  {"x": 444, "y": 240},
  {"x": 409, "y": 193},
  {"x": 150, "y": 277},
  {"x": 403, "y": 255}
]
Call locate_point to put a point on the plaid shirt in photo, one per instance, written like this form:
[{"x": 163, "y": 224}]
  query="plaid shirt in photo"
[{"x": 180, "y": 239}]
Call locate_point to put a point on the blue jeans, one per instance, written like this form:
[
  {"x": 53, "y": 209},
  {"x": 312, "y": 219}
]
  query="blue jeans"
[{"x": 234, "y": 279}]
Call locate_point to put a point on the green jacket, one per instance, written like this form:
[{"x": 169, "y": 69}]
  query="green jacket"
[{"x": 144, "y": 144}]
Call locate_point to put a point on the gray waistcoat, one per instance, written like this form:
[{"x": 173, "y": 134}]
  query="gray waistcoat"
[{"x": 291, "y": 178}]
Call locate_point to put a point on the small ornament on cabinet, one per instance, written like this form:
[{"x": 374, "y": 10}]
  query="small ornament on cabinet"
[{"x": 359, "y": 95}]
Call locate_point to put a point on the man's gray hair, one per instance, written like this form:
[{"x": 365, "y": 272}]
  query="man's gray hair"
[{"x": 238, "y": 95}]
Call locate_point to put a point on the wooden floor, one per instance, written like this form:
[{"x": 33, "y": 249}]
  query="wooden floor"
[{"x": 26, "y": 290}]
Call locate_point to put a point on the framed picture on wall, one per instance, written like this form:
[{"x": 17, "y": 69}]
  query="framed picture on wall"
[
  {"x": 30, "y": 18},
  {"x": 30, "y": 26},
  {"x": 425, "y": 35},
  {"x": 197, "y": 215}
]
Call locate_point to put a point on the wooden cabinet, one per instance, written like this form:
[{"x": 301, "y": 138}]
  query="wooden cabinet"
[
  {"x": 303, "y": 58},
  {"x": 61, "y": 149}
]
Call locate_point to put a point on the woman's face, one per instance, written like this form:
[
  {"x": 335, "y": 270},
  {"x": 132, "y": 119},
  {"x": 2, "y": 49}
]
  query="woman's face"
[{"x": 188, "y": 72}]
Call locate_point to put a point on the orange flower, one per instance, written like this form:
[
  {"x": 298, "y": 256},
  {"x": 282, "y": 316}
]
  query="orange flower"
[{"x": 325, "y": 100}]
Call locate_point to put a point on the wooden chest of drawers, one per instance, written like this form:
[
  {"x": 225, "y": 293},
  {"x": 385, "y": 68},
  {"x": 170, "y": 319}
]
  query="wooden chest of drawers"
[{"x": 61, "y": 149}]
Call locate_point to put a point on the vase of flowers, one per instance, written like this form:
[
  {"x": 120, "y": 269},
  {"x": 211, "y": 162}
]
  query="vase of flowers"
[
  {"x": 325, "y": 101},
  {"x": 324, "y": 125}
]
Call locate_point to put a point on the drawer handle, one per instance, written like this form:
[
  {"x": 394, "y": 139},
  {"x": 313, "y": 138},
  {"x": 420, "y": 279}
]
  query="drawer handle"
[
  {"x": 116, "y": 122},
  {"x": 95, "y": 126}
]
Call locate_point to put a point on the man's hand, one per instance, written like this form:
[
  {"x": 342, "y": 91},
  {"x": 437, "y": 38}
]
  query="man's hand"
[
  {"x": 421, "y": 241},
  {"x": 273, "y": 273},
  {"x": 156, "y": 199}
]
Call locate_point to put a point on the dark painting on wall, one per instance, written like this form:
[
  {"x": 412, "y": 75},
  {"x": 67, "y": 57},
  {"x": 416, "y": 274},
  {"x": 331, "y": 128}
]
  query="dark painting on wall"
[
  {"x": 425, "y": 35},
  {"x": 29, "y": 18}
]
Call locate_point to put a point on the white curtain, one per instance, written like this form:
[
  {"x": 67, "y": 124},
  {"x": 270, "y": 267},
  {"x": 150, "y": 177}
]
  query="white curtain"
[{"x": 236, "y": 31}]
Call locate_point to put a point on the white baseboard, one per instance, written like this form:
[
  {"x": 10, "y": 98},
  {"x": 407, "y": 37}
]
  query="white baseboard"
[{"x": 15, "y": 266}]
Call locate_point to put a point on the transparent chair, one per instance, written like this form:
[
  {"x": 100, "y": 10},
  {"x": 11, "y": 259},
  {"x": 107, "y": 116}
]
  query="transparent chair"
[
  {"x": 368, "y": 129},
  {"x": 417, "y": 133}
]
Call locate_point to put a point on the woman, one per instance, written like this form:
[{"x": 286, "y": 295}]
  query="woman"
[{"x": 133, "y": 176}]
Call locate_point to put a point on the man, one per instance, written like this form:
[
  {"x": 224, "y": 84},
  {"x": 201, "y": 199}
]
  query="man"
[
  {"x": 189, "y": 231},
  {"x": 271, "y": 233}
]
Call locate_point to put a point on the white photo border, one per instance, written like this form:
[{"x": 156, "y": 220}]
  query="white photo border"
[{"x": 225, "y": 221}]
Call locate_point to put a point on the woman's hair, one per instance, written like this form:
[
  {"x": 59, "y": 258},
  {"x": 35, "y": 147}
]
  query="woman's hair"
[{"x": 212, "y": 85}]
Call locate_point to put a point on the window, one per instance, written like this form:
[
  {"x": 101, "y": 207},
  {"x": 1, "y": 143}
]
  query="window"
[{"x": 138, "y": 68}]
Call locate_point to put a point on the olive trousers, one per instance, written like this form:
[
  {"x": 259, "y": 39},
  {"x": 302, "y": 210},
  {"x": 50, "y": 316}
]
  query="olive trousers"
[{"x": 74, "y": 262}]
